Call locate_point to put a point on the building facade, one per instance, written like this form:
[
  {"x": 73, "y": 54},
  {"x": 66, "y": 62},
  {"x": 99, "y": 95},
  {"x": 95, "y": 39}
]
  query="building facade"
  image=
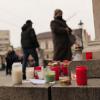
[
  {"x": 46, "y": 42},
  {"x": 4, "y": 40},
  {"x": 4, "y": 44}
]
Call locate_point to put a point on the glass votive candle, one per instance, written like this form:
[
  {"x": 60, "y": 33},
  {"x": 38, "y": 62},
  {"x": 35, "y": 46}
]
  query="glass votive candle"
[
  {"x": 73, "y": 75},
  {"x": 29, "y": 73},
  {"x": 36, "y": 70},
  {"x": 88, "y": 55},
  {"x": 17, "y": 75},
  {"x": 64, "y": 70},
  {"x": 81, "y": 75},
  {"x": 40, "y": 74},
  {"x": 50, "y": 76},
  {"x": 57, "y": 72}
]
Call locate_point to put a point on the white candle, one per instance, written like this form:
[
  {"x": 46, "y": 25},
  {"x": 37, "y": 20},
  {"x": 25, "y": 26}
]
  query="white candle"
[
  {"x": 29, "y": 73},
  {"x": 17, "y": 73}
]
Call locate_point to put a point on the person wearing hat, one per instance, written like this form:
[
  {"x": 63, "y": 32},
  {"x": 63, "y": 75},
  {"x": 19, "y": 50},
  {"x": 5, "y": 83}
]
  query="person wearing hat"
[
  {"x": 60, "y": 31},
  {"x": 29, "y": 45}
]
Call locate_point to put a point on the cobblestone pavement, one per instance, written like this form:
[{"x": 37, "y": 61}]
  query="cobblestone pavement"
[{"x": 4, "y": 79}]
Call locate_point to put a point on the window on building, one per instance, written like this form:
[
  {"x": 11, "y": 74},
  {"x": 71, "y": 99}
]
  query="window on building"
[
  {"x": 50, "y": 45},
  {"x": 42, "y": 45},
  {"x": 46, "y": 44}
]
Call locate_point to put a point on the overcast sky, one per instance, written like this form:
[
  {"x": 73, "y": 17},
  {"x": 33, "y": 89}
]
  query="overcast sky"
[{"x": 14, "y": 13}]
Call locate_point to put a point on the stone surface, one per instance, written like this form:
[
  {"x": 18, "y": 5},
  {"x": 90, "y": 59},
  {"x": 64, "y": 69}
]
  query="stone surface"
[
  {"x": 23, "y": 93},
  {"x": 5, "y": 79},
  {"x": 74, "y": 92},
  {"x": 92, "y": 65},
  {"x": 96, "y": 13}
]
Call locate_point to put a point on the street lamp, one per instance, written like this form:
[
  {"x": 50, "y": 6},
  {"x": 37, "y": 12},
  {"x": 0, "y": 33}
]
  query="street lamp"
[
  {"x": 81, "y": 24},
  {"x": 82, "y": 32}
]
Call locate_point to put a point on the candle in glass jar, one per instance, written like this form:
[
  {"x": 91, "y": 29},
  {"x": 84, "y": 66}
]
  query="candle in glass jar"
[
  {"x": 57, "y": 72},
  {"x": 29, "y": 73},
  {"x": 17, "y": 74},
  {"x": 88, "y": 55},
  {"x": 64, "y": 70},
  {"x": 50, "y": 76},
  {"x": 36, "y": 70},
  {"x": 81, "y": 75}
]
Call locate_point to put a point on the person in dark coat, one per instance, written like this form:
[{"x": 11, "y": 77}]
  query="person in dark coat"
[
  {"x": 60, "y": 31},
  {"x": 29, "y": 44},
  {"x": 11, "y": 57}
]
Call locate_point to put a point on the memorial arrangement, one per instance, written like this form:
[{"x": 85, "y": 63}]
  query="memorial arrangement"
[{"x": 52, "y": 73}]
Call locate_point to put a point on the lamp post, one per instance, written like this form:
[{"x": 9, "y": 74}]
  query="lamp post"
[{"x": 82, "y": 32}]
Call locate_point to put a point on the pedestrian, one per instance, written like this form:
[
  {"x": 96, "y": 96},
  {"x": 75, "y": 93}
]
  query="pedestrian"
[
  {"x": 60, "y": 31},
  {"x": 19, "y": 54},
  {"x": 11, "y": 57},
  {"x": 29, "y": 44}
]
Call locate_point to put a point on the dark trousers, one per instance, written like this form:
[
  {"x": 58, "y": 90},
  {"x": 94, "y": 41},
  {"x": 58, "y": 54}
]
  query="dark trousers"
[
  {"x": 26, "y": 53},
  {"x": 8, "y": 68}
]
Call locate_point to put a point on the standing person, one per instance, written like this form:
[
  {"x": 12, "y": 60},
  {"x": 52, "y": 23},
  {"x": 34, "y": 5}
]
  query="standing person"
[
  {"x": 60, "y": 31},
  {"x": 29, "y": 44},
  {"x": 11, "y": 57}
]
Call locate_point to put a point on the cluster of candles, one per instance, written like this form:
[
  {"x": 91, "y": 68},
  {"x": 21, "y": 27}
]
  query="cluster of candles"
[{"x": 49, "y": 74}]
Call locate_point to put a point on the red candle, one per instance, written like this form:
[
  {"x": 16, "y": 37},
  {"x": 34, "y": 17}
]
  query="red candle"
[
  {"x": 64, "y": 70},
  {"x": 88, "y": 55},
  {"x": 57, "y": 72},
  {"x": 38, "y": 68},
  {"x": 81, "y": 75}
]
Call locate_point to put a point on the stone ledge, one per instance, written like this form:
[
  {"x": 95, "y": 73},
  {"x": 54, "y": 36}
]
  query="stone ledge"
[
  {"x": 93, "y": 47},
  {"x": 25, "y": 92},
  {"x": 75, "y": 92}
]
